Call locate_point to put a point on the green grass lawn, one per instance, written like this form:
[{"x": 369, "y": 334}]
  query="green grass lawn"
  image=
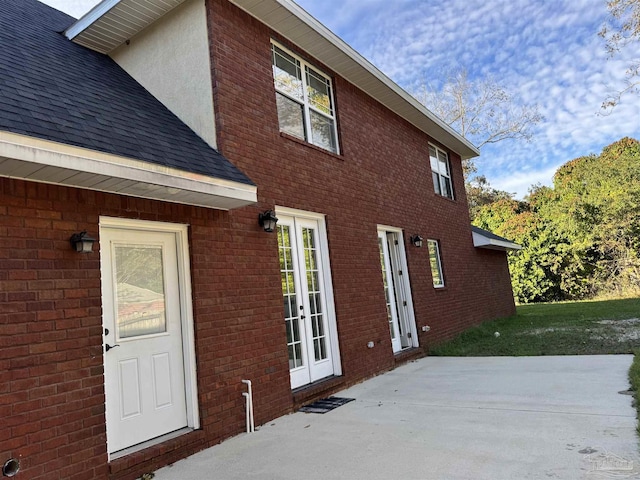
[{"x": 565, "y": 328}]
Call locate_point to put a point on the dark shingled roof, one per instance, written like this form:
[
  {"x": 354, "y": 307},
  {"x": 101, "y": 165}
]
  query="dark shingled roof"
[{"x": 55, "y": 90}]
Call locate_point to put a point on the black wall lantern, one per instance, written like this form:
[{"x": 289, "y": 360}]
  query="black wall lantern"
[
  {"x": 416, "y": 241},
  {"x": 81, "y": 242},
  {"x": 268, "y": 220}
]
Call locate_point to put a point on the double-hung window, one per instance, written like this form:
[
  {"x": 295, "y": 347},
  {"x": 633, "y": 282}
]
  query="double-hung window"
[
  {"x": 304, "y": 97},
  {"x": 441, "y": 172},
  {"x": 436, "y": 263}
]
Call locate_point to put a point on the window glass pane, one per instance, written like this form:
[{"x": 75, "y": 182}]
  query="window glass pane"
[
  {"x": 448, "y": 191},
  {"x": 322, "y": 132},
  {"x": 286, "y": 73},
  {"x": 319, "y": 91},
  {"x": 139, "y": 290},
  {"x": 290, "y": 116},
  {"x": 442, "y": 167},
  {"x": 434, "y": 260},
  {"x": 436, "y": 183},
  {"x": 434, "y": 164}
]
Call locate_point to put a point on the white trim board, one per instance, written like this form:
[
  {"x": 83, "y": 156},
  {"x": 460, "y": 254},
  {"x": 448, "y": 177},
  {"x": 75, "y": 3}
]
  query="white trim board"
[{"x": 44, "y": 161}]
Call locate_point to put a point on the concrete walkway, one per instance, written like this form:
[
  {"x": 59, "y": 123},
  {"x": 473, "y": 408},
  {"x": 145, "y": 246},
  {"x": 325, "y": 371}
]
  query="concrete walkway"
[{"x": 448, "y": 419}]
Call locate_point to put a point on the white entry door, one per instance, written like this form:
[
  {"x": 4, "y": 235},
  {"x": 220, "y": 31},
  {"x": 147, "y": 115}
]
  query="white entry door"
[
  {"x": 144, "y": 362},
  {"x": 402, "y": 325},
  {"x": 309, "y": 317}
]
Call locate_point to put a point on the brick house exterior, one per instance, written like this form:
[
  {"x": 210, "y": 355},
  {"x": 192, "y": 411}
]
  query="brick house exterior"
[{"x": 52, "y": 300}]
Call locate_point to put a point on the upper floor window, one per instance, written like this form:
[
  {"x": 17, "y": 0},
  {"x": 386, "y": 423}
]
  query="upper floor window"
[
  {"x": 441, "y": 172},
  {"x": 305, "y": 100}
]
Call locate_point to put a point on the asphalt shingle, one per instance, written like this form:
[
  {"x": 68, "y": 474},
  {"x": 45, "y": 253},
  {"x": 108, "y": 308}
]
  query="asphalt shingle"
[{"x": 53, "y": 89}]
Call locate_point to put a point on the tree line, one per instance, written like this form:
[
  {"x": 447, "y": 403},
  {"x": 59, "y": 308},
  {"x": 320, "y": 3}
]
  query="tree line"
[{"x": 580, "y": 237}]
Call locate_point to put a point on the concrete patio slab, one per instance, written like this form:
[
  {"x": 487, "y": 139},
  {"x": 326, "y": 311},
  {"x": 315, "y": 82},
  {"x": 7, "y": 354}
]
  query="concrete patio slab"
[{"x": 449, "y": 418}]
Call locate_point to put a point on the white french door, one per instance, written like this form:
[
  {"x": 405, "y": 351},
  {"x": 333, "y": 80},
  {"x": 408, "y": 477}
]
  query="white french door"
[
  {"x": 402, "y": 325},
  {"x": 145, "y": 366},
  {"x": 308, "y": 307}
]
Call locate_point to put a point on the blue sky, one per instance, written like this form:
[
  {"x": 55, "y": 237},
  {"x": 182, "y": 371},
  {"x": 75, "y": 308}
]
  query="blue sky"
[{"x": 544, "y": 52}]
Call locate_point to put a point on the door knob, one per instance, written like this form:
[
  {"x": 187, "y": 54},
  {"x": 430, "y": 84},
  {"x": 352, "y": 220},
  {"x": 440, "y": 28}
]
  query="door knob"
[{"x": 108, "y": 347}]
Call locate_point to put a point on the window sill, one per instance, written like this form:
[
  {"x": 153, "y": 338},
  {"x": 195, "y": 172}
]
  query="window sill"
[
  {"x": 452, "y": 200},
  {"x": 311, "y": 145}
]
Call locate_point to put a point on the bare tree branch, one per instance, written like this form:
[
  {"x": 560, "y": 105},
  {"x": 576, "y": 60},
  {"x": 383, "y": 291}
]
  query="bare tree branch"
[
  {"x": 622, "y": 28},
  {"x": 480, "y": 110}
]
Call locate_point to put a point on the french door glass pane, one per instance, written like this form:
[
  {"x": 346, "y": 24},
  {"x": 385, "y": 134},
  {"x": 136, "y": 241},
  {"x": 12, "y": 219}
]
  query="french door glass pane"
[
  {"x": 290, "y": 116},
  {"x": 140, "y": 301},
  {"x": 313, "y": 289},
  {"x": 387, "y": 286},
  {"x": 291, "y": 309}
]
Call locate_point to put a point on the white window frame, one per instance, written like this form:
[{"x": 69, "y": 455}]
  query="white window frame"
[
  {"x": 436, "y": 245},
  {"x": 442, "y": 176},
  {"x": 306, "y": 104}
]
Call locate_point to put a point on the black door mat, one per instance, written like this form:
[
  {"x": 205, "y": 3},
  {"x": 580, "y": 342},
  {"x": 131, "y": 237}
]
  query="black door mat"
[{"x": 325, "y": 405}]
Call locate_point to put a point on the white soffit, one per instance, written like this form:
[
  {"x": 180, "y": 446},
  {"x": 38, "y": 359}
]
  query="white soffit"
[
  {"x": 295, "y": 24},
  {"x": 482, "y": 241},
  {"x": 33, "y": 159},
  {"x": 112, "y": 22}
]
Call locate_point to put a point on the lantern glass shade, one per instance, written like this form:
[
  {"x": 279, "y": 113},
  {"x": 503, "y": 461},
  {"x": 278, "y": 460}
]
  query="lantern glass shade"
[
  {"x": 268, "y": 220},
  {"x": 82, "y": 242},
  {"x": 417, "y": 240}
]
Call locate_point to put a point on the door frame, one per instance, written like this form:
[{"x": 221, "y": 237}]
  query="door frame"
[
  {"x": 186, "y": 308},
  {"x": 406, "y": 283},
  {"x": 326, "y": 278}
]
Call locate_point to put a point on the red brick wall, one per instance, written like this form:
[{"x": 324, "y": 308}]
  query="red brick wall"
[
  {"x": 52, "y": 394},
  {"x": 382, "y": 176}
]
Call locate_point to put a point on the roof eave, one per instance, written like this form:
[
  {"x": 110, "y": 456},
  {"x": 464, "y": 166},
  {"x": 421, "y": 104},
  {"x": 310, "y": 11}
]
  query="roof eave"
[
  {"x": 112, "y": 22},
  {"x": 44, "y": 161},
  {"x": 481, "y": 241}
]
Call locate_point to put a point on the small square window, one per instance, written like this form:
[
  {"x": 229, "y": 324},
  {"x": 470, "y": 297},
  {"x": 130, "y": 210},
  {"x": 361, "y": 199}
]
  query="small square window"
[
  {"x": 436, "y": 263},
  {"x": 440, "y": 172},
  {"x": 304, "y": 97}
]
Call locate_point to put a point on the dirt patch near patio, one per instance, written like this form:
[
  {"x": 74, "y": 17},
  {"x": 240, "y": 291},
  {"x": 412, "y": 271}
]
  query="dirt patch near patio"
[{"x": 627, "y": 330}]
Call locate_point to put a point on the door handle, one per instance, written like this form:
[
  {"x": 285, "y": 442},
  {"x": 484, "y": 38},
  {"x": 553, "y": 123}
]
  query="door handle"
[{"x": 108, "y": 347}]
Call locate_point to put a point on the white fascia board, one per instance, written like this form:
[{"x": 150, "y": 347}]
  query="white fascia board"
[
  {"x": 480, "y": 241},
  {"x": 454, "y": 140},
  {"x": 88, "y": 18},
  {"x": 27, "y": 157}
]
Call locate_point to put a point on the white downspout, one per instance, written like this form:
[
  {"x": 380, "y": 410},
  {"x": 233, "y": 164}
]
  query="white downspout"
[{"x": 249, "y": 401}]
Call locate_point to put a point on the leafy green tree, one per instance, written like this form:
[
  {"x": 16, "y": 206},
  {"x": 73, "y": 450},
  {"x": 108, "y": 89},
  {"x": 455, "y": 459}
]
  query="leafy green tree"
[
  {"x": 580, "y": 238},
  {"x": 535, "y": 269},
  {"x": 598, "y": 208}
]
